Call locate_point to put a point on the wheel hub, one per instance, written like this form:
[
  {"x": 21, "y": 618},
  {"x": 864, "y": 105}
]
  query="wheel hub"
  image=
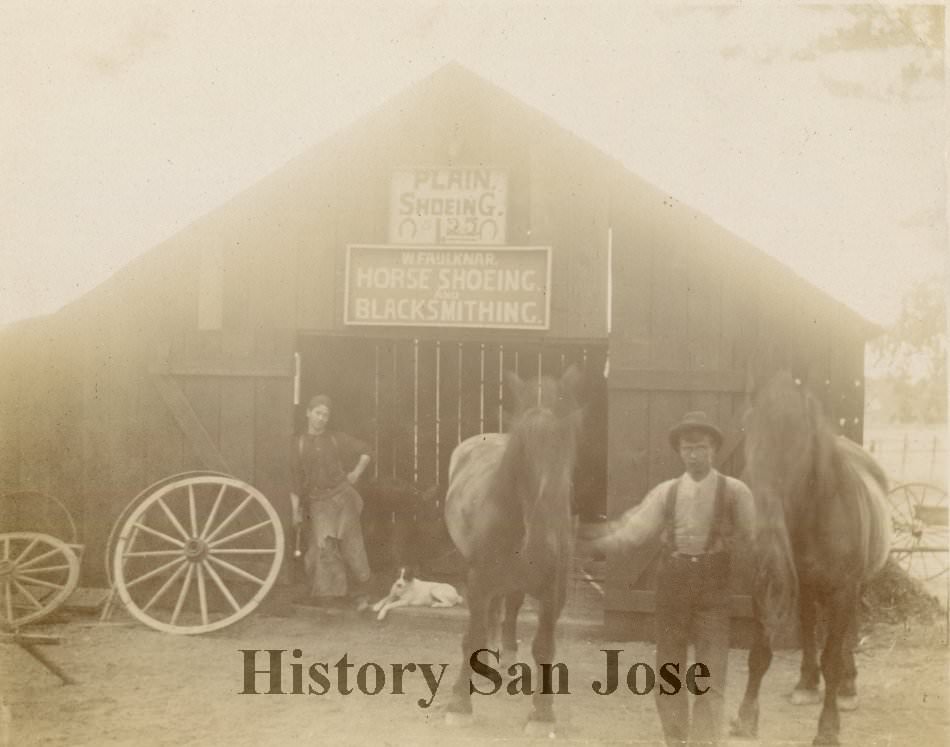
[{"x": 195, "y": 549}]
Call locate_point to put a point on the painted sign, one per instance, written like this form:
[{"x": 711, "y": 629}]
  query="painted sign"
[
  {"x": 448, "y": 206},
  {"x": 439, "y": 286}
]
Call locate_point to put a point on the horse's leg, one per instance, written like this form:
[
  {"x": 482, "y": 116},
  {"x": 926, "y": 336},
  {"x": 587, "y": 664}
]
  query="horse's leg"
[
  {"x": 841, "y": 608},
  {"x": 746, "y": 723},
  {"x": 493, "y": 622},
  {"x": 806, "y": 691},
  {"x": 848, "y": 690},
  {"x": 459, "y": 709},
  {"x": 509, "y": 629},
  {"x": 541, "y": 718}
]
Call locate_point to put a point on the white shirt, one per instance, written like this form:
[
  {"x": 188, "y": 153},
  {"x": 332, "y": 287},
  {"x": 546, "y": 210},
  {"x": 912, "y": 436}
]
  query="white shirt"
[{"x": 695, "y": 503}]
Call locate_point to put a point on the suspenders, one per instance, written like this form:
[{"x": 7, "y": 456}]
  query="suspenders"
[{"x": 718, "y": 527}]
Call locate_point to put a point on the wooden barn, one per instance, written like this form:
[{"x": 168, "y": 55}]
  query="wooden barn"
[{"x": 198, "y": 354}]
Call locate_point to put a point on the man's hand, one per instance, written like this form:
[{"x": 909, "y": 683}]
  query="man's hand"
[{"x": 599, "y": 538}]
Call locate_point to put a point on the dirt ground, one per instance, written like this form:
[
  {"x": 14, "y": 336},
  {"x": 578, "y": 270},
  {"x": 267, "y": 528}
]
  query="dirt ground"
[{"x": 140, "y": 687}]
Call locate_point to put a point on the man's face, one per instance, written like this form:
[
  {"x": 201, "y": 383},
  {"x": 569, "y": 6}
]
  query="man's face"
[
  {"x": 697, "y": 452},
  {"x": 317, "y": 418}
]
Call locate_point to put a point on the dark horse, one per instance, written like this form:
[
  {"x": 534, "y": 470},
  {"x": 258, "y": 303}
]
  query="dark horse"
[
  {"x": 508, "y": 509},
  {"x": 823, "y": 529}
]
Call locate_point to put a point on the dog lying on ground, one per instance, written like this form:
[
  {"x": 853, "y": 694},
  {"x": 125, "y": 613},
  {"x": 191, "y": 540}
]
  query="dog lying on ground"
[{"x": 409, "y": 591}]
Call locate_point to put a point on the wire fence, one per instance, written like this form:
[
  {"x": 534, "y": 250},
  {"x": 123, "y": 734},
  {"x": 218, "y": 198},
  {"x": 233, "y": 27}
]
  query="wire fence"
[{"x": 910, "y": 453}]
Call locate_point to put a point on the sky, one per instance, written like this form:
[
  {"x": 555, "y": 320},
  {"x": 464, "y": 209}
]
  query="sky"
[{"x": 816, "y": 132}]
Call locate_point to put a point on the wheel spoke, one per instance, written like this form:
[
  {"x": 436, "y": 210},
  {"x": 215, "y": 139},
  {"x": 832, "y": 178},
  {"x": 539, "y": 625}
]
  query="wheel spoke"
[
  {"x": 159, "y": 534},
  {"x": 47, "y": 568},
  {"x": 220, "y": 584},
  {"x": 908, "y": 499},
  {"x": 8, "y": 600},
  {"x": 37, "y": 581},
  {"x": 164, "y": 587},
  {"x": 6, "y": 548},
  {"x": 184, "y": 593},
  {"x": 265, "y": 523},
  {"x": 230, "y": 518},
  {"x": 191, "y": 510},
  {"x": 234, "y": 569},
  {"x": 214, "y": 511},
  {"x": 38, "y": 558},
  {"x": 202, "y": 595},
  {"x": 172, "y": 518},
  {"x": 156, "y": 571},
  {"x": 24, "y": 553},
  {"x": 150, "y": 553},
  {"x": 26, "y": 592},
  {"x": 241, "y": 551}
]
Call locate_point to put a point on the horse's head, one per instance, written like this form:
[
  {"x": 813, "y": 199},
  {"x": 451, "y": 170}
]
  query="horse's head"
[
  {"x": 546, "y": 396},
  {"x": 788, "y": 442},
  {"x": 790, "y": 453}
]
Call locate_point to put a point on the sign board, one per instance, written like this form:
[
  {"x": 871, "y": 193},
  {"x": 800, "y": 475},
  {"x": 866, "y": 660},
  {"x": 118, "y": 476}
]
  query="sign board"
[
  {"x": 439, "y": 286},
  {"x": 448, "y": 206}
]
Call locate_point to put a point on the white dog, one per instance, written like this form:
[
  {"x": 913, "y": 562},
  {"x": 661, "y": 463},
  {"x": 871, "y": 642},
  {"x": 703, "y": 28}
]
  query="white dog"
[{"x": 408, "y": 591}]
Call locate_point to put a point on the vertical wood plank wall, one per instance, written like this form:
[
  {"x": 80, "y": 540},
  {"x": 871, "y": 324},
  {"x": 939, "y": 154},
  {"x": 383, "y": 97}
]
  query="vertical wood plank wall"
[{"x": 81, "y": 417}]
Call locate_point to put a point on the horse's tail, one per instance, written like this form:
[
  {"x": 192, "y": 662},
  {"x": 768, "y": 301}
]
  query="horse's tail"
[
  {"x": 776, "y": 577},
  {"x": 866, "y": 482}
]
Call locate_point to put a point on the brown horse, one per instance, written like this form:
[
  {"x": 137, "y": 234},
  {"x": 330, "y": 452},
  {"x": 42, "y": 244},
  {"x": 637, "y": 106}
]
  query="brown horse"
[
  {"x": 508, "y": 510},
  {"x": 823, "y": 529}
]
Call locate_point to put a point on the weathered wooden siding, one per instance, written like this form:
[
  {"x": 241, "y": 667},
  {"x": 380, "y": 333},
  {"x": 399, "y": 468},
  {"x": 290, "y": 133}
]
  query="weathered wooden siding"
[
  {"x": 182, "y": 360},
  {"x": 700, "y": 319}
]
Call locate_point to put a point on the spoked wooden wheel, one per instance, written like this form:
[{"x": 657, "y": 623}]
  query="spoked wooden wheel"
[
  {"x": 135, "y": 502},
  {"x": 198, "y": 554},
  {"x": 38, "y": 572},
  {"x": 921, "y": 534}
]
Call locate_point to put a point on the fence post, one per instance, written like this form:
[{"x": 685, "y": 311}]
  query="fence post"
[
  {"x": 933, "y": 459},
  {"x": 904, "y": 457}
]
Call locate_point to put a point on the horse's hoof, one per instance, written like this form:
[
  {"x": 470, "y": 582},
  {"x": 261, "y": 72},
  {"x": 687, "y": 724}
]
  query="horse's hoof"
[
  {"x": 847, "y": 702},
  {"x": 542, "y": 729},
  {"x": 826, "y": 739},
  {"x": 804, "y": 697},
  {"x": 452, "y": 718}
]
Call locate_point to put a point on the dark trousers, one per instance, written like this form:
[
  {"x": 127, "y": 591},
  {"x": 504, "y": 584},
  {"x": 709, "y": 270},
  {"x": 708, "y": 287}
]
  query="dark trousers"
[{"x": 692, "y": 605}]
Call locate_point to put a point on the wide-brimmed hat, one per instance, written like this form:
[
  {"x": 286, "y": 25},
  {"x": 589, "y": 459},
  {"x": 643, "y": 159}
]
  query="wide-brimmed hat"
[{"x": 695, "y": 421}]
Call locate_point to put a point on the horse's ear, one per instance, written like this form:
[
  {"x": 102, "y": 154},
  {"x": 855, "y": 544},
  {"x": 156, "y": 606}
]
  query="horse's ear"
[{"x": 516, "y": 385}]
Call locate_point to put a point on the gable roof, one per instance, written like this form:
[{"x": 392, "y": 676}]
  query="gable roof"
[{"x": 453, "y": 83}]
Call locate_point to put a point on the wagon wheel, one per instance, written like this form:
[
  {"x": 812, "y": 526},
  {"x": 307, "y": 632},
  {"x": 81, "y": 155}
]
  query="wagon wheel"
[
  {"x": 921, "y": 535},
  {"x": 113, "y": 533},
  {"x": 198, "y": 554},
  {"x": 38, "y": 572}
]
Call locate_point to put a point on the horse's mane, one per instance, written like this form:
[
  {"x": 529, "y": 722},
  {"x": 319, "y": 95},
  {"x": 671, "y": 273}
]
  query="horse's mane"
[
  {"x": 796, "y": 467},
  {"x": 536, "y": 469}
]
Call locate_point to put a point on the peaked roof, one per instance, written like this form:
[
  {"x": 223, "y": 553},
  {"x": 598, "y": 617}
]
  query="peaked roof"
[{"x": 454, "y": 80}]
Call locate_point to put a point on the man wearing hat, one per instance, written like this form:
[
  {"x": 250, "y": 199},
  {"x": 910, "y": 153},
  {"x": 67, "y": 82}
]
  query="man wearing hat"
[
  {"x": 700, "y": 517},
  {"x": 325, "y": 465}
]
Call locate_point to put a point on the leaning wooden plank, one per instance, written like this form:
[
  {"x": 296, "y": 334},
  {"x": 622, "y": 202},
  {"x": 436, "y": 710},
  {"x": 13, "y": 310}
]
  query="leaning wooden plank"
[{"x": 204, "y": 448}]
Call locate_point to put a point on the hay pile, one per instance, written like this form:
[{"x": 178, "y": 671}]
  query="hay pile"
[{"x": 892, "y": 596}]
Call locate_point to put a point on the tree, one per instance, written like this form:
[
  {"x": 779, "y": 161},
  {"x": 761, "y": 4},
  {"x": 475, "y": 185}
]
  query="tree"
[{"x": 913, "y": 353}]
